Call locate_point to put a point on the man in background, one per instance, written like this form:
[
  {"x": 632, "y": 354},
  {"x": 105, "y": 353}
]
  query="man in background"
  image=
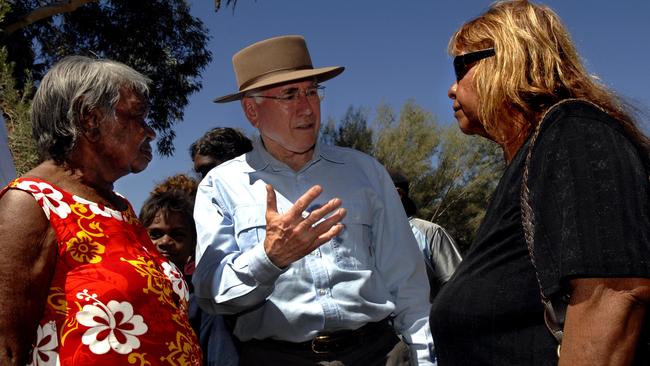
[
  {"x": 440, "y": 253},
  {"x": 216, "y": 146}
]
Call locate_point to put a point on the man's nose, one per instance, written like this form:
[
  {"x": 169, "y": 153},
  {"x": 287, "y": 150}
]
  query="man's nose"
[{"x": 304, "y": 103}]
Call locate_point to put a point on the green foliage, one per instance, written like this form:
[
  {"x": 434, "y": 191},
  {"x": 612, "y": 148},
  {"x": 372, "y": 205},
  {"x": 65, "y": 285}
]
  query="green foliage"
[
  {"x": 159, "y": 38},
  {"x": 452, "y": 176},
  {"x": 4, "y": 9},
  {"x": 408, "y": 144},
  {"x": 15, "y": 106},
  {"x": 352, "y": 131},
  {"x": 455, "y": 194}
]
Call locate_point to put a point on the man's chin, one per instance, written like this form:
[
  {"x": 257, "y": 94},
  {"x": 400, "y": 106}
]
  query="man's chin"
[{"x": 304, "y": 149}]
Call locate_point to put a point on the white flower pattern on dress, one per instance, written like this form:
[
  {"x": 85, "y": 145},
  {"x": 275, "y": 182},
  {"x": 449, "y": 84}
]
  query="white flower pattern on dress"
[
  {"x": 112, "y": 326},
  {"x": 178, "y": 282},
  {"x": 51, "y": 198},
  {"x": 45, "y": 352},
  {"x": 100, "y": 210}
]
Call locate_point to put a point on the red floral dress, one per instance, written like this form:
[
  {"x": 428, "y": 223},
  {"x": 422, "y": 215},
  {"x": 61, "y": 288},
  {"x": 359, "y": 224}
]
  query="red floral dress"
[{"x": 113, "y": 300}]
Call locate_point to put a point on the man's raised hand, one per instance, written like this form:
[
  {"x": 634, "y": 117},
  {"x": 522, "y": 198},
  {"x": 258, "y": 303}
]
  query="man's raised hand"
[{"x": 293, "y": 235}]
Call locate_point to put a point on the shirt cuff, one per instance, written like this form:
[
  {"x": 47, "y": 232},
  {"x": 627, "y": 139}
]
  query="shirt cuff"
[{"x": 261, "y": 267}]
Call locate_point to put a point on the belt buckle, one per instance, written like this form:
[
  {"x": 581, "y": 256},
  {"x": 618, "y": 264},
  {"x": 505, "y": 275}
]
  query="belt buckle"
[{"x": 316, "y": 340}]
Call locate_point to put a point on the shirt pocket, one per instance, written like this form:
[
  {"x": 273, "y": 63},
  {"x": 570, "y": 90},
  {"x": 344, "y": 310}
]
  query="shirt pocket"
[
  {"x": 250, "y": 225},
  {"x": 353, "y": 247}
]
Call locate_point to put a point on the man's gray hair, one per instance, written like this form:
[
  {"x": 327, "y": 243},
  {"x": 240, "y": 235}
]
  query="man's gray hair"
[{"x": 73, "y": 86}]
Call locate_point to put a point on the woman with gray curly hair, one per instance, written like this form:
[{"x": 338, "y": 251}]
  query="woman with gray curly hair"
[{"x": 82, "y": 282}]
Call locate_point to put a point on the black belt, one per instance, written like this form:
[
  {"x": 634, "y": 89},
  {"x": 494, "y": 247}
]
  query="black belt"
[{"x": 335, "y": 341}]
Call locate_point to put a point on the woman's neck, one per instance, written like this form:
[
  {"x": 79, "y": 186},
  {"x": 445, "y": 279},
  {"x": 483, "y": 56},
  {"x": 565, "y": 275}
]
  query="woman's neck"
[{"x": 82, "y": 181}]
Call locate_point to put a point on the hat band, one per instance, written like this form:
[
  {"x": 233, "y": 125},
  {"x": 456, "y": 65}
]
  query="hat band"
[{"x": 254, "y": 80}]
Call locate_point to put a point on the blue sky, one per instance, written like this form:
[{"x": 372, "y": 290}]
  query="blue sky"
[{"x": 393, "y": 51}]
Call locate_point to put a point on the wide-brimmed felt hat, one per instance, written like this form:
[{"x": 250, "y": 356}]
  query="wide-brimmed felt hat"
[{"x": 275, "y": 61}]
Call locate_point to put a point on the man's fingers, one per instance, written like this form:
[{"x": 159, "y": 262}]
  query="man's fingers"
[
  {"x": 328, "y": 235},
  {"x": 303, "y": 202},
  {"x": 329, "y": 222},
  {"x": 318, "y": 214},
  {"x": 271, "y": 204}
]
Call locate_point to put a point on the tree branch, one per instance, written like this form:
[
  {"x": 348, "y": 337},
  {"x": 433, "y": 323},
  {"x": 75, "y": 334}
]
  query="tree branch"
[{"x": 65, "y": 6}]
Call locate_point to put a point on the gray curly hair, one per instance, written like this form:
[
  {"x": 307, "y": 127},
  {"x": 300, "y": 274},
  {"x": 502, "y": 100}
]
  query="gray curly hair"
[{"x": 75, "y": 85}]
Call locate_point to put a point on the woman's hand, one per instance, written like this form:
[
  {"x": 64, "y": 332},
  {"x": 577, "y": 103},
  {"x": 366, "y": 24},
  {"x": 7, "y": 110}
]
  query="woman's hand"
[{"x": 604, "y": 321}]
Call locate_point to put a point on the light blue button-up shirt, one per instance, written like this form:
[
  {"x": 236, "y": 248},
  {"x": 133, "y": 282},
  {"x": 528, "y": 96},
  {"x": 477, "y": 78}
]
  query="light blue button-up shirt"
[{"x": 371, "y": 270}]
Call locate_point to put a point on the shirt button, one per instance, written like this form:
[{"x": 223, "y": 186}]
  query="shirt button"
[{"x": 322, "y": 292}]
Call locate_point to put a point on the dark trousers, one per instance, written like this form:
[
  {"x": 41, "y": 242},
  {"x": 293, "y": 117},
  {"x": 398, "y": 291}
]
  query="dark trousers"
[{"x": 382, "y": 349}]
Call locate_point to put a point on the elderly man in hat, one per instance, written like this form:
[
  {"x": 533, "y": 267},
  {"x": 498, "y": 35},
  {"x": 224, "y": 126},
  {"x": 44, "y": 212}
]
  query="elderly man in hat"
[{"x": 306, "y": 245}]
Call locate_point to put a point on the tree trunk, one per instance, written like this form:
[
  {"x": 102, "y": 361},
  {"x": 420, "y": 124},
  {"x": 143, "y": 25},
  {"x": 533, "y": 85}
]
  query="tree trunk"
[{"x": 43, "y": 13}]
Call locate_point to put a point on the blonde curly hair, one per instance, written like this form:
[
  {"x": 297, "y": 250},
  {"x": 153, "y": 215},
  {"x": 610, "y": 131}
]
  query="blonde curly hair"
[{"x": 535, "y": 66}]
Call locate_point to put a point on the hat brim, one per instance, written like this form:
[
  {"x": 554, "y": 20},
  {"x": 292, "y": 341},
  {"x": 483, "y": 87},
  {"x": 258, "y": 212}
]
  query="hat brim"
[{"x": 321, "y": 74}]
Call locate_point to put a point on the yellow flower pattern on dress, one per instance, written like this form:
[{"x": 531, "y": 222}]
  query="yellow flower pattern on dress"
[
  {"x": 182, "y": 351},
  {"x": 138, "y": 357},
  {"x": 85, "y": 219},
  {"x": 157, "y": 282},
  {"x": 84, "y": 248},
  {"x": 81, "y": 210},
  {"x": 56, "y": 300},
  {"x": 135, "y": 311},
  {"x": 131, "y": 218}
]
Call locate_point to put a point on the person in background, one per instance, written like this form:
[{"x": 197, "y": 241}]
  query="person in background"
[
  {"x": 309, "y": 281},
  {"x": 180, "y": 181},
  {"x": 440, "y": 254},
  {"x": 82, "y": 283},
  {"x": 167, "y": 215},
  {"x": 579, "y": 164},
  {"x": 216, "y": 146}
]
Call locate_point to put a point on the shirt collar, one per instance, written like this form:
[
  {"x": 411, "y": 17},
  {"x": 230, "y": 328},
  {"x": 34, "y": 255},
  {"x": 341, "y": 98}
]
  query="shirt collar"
[{"x": 262, "y": 159}]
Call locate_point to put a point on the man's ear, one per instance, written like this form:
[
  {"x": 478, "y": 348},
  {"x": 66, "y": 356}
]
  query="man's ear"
[
  {"x": 90, "y": 121},
  {"x": 250, "y": 109}
]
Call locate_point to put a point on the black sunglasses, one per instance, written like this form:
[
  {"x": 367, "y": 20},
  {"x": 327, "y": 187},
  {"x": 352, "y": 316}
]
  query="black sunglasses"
[{"x": 461, "y": 62}]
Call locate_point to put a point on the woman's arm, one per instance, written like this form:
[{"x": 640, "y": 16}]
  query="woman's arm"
[
  {"x": 27, "y": 261},
  {"x": 604, "y": 320}
]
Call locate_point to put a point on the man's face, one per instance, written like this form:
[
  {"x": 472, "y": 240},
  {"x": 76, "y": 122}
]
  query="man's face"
[{"x": 287, "y": 126}]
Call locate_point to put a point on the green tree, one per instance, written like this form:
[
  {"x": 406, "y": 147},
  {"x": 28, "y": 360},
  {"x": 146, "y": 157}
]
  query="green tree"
[
  {"x": 455, "y": 194},
  {"x": 15, "y": 104},
  {"x": 352, "y": 131},
  {"x": 158, "y": 38},
  {"x": 409, "y": 143},
  {"x": 452, "y": 176}
]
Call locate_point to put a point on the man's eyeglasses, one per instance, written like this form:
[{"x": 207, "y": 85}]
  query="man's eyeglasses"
[
  {"x": 462, "y": 62},
  {"x": 293, "y": 94}
]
